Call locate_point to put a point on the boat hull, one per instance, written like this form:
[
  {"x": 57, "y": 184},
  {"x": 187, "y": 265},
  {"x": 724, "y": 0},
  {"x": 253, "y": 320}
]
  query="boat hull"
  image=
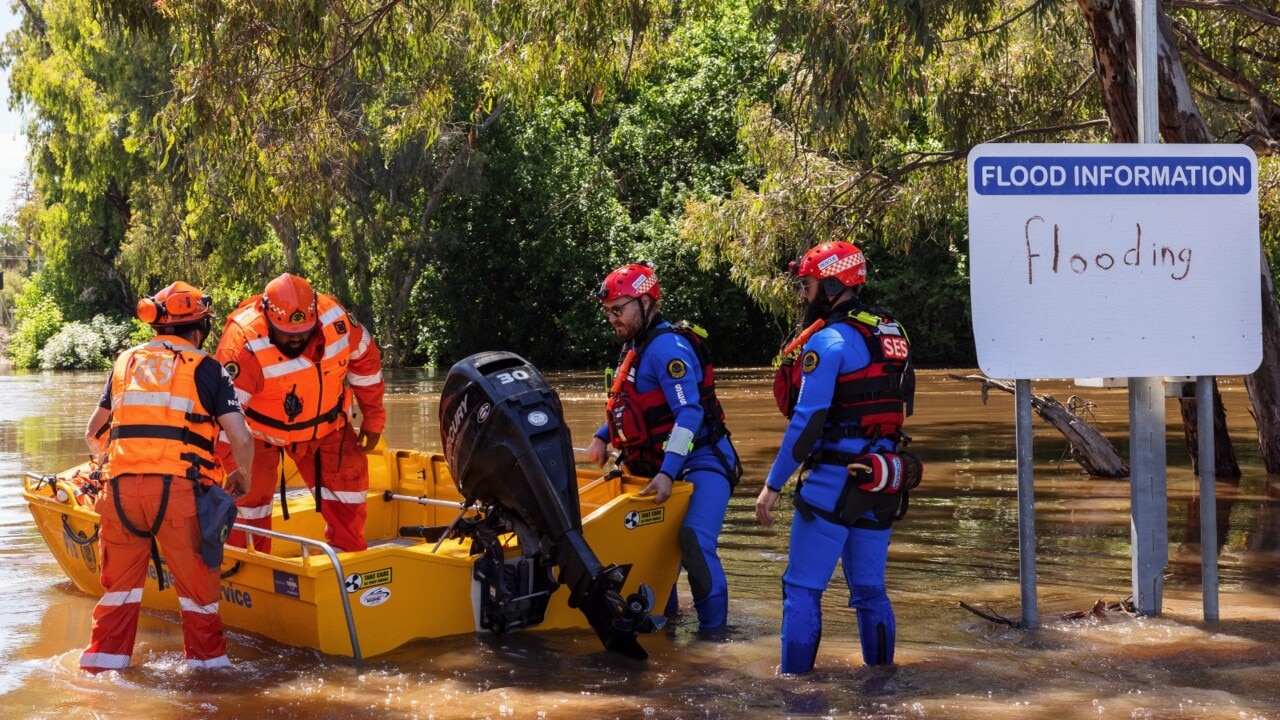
[{"x": 401, "y": 588}]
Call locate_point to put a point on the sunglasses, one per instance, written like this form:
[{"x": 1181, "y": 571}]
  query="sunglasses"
[{"x": 617, "y": 310}]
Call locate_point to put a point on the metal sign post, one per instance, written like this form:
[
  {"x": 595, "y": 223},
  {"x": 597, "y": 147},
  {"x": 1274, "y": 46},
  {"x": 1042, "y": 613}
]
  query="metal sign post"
[
  {"x": 1148, "y": 501},
  {"x": 1149, "y": 507},
  {"x": 1208, "y": 499},
  {"x": 1026, "y": 505},
  {"x": 1114, "y": 260}
]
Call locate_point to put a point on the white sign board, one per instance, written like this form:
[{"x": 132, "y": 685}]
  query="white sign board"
[{"x": 1115, "y": 260}]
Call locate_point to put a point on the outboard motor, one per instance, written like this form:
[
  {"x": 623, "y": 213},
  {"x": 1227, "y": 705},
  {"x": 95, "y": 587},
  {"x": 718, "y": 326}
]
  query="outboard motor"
[{"x": 510, "y": 453}]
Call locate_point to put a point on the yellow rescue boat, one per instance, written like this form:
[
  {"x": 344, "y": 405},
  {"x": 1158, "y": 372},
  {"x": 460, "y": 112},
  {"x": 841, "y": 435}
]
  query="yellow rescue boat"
[
  {"x": 401, "y": 588},
  {"x": 520, "y": 550}
]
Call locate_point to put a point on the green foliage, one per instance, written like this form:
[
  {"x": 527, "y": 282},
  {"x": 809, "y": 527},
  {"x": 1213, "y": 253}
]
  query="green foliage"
[
  {"x": 1269, "y": 211},
  {"x": 39, "y": 319},
  {"x": 461, "y": 175},
  {"x": 79, "y": 346},
  {"x": 92, "y": 94},
  {"x": 519, "y": 258},
  {"x": 928, "y": 290}
]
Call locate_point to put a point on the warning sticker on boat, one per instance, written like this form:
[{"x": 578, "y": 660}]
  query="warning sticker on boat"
[
  {"x": 635, "y": 519},
  {"x": 358, "y": 581}
]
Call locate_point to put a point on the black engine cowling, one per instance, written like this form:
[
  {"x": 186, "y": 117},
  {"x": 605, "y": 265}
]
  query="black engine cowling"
[{"x": 510, "y": 453}]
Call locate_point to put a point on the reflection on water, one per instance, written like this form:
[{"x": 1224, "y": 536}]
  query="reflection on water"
[{"x": 959, "y": 543}]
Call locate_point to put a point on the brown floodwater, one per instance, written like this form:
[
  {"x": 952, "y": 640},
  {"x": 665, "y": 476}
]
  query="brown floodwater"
[{"x": 959, "y": 544}]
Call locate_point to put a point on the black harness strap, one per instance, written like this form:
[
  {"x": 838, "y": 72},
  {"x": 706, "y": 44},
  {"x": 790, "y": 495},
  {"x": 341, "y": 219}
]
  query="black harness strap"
[
  {"x": 316, "y": 464},
  {"x": 155, "y": 527},
  {"x": 162, "y": 432},
  {"x": 284, "y": 501},
  {"x": 809, "y": 511},
  {"x": 835, "y": 457},
  {"x": 271, "y": 422}
]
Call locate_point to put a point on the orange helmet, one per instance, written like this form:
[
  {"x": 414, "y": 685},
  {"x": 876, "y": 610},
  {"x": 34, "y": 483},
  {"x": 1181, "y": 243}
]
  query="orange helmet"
[
  {"x": 631, "y": 280},
  {"x": 178, "y": 304},
  {"x": 290, "y": 304},
  {"x": 840, "y": 260}
]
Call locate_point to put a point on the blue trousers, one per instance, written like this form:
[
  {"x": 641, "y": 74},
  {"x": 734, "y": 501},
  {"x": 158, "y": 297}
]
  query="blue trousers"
[
  {"x": 816, "y": 545},
  {"x": 699, "y": 536}
]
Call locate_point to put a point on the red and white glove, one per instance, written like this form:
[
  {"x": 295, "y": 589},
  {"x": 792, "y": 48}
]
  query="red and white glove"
[{"x": 886, "y": 472}]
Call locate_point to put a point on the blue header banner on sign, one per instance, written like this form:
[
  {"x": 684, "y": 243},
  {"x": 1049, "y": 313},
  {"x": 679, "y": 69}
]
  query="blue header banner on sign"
[{"x": 1014, "y": 175}]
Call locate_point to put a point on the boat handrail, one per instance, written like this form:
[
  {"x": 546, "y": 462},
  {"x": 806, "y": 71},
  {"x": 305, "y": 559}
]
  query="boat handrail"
[
  {"x": 388, "y": 496},
  {"x": 339, "y": 575}
]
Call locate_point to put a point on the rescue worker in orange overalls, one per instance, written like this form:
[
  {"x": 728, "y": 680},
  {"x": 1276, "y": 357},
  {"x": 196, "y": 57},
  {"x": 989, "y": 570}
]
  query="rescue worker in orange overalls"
[
  {"x": 297, "y": 360},
  {"x": 164, "y": 403}
]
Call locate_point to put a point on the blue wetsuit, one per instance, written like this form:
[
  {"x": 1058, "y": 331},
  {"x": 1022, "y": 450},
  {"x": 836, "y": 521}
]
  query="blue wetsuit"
[
  {"x": 668, "y": 361},
  {"x": 817, "y": 543}
]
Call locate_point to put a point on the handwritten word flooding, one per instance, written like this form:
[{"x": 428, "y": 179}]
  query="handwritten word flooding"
[{"x": 1178, "y": 262}]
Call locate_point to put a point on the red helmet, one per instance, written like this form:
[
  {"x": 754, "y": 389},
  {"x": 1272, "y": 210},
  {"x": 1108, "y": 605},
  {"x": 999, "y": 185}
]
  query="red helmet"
[
  {"x": 177, "y": 304},
  {"x": 840, "y": 260},
  {"x": 631, "y": 280},
  {"x": 289, "y": 303}
]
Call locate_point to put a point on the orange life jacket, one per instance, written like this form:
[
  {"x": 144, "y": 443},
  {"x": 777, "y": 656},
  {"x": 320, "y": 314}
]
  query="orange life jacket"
[
  {"x": 158, "y": 424},
  {"x": 300, "y": 399}
]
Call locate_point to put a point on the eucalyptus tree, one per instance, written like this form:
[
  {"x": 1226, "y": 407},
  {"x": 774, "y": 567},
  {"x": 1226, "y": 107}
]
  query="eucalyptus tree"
[
  {"x": 327, "y": 136},
  {"x": 867, "y": 140},
  {"x": 94, "y": 95}
]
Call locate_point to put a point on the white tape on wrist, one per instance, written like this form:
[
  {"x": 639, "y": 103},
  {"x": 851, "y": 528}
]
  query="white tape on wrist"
[{"x": 680, "y": 441}]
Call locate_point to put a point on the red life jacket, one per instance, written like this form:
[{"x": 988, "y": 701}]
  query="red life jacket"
[
  {"x": 871, "y": 402},
  {"x": 640, "y": 423}
]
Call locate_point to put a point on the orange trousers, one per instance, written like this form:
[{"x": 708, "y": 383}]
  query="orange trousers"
[
  {"x": 126, "y": 559},
  {"x": 344, "y": 481}
]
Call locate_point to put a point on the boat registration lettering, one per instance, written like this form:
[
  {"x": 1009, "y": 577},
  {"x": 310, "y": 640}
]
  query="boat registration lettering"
[
  {"x": 637, "y": 518},
  {"x": 374, "y": 597},
  {"x": 356, "y": 582}
]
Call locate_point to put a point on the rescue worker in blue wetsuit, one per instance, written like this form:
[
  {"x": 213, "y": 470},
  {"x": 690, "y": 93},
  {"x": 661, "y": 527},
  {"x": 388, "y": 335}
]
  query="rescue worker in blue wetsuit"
[
  {"x": 664, "y": 418},
  {"x": 846, "y": 396}
]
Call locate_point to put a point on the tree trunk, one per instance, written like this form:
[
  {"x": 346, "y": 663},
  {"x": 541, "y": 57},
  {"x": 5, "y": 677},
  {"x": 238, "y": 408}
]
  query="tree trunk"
[
  {"x": 1224, "y": 455},
  {"x": 1094, "y": 452},
  {"x": 1264, "y": 384},
  {"x": 287, "y": 232},
  {"x": 1112, "y": 27}
]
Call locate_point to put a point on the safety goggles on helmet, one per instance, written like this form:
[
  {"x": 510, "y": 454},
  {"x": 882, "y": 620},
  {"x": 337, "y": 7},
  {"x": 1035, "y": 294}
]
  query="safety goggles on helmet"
[
  {"x": 631, "y": 280},
  {"x": 177, "y": 304},
  {"x": 289, "y": 304}
]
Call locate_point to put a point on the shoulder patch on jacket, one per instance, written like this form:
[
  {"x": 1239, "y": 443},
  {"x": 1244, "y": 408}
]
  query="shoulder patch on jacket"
[
  {"x": 340, "y": 327},
  {"x": 233, "y": 368},
  {"x": 676, "y": 369},
  {"x": 809, "y": 362}
]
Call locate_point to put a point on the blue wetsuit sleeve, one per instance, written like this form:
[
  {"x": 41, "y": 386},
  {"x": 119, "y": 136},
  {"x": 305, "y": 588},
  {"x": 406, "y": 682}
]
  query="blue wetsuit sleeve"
[
  {"x": 671, "y": 363},
  {"x": 825, "y": 356},
  {"x": 603, "y": 433}
]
